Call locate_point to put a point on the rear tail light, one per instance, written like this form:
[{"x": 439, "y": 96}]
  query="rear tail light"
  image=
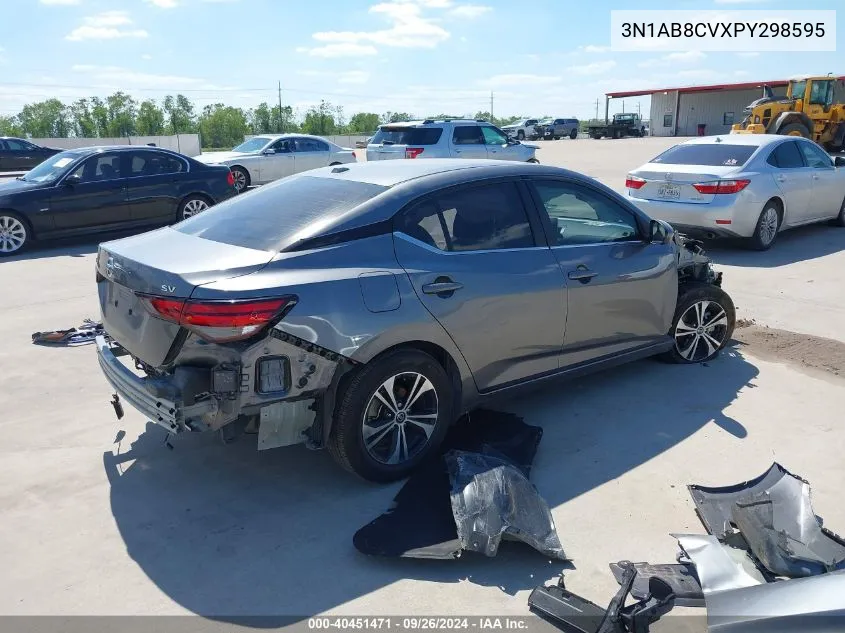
[
  {"x": 221, "y": 321},
  {"x": 230, "y": 178},
  {"x": 721, "y": 186},
  {"x": 633, "y": 182},
  {"x": 413, "y": 152}
]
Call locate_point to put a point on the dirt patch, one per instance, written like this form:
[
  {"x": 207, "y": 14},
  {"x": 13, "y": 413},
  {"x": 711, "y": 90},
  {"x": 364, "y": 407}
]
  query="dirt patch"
[{"x": 806, "y": 351}]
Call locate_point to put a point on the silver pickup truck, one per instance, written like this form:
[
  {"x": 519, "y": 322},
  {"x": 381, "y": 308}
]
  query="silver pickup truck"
[{"x": 554, "y": 129}]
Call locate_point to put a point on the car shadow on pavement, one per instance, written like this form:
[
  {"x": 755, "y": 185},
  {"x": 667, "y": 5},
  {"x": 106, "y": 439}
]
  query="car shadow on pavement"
[
  {"x": 227, "y": 532},
  {"x": 795, "y": 245}
]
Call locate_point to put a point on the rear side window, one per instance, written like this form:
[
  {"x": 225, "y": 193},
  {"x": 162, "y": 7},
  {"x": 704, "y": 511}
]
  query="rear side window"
[
  {"x": 274, "y": 217},
  {"x": 786, "y": 156},
  {"x": 715, "y": 155},
  {"x": 482, "y": 217},
  {"x": 467, "y": 135},
  {"x": 407, "y": 135}
]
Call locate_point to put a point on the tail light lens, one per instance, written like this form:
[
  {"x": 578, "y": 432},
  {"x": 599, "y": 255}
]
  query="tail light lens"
[
  {"x": 221, "y": 321},
  {"x": 721, "y": 186},
  {"x": 230, "y": 178},
  {"x": 633, "y": 182},
  {"x": 413, "y": 152}
]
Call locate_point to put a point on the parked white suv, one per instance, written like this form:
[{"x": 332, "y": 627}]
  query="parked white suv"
[
  {"x": 448, "y": 138},
  {"x": 527, "y": 128}
]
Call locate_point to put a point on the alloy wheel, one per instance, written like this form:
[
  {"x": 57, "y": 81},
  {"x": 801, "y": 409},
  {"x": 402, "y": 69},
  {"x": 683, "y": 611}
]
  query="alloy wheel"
[
  {"x": 701, "y": 331},
  {"x": 768, "y": 226},
  {"x": 193, "y": 206},
  {"x": 400, "y": 418},
  {"x": 12, "y": 234},
  {"x": 240, "y": 180}
]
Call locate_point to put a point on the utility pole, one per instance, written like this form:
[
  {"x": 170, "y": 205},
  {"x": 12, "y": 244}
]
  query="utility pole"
[
  {"x": 623, "y": 106},
  {"x": 280, "y": 108},
  {"x": 491, "y": 106},
  {"x": 639, "y": 114},
  {"x": 597, "y": 109}
]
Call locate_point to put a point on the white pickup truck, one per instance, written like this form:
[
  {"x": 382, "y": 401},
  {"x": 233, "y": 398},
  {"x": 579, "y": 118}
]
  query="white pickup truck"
[{"x": 527, "y": 128}]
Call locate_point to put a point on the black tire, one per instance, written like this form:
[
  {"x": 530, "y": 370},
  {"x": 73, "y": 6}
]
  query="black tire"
[
  {"x": 520, "y": 135},
  {"x": 616, "y": 134},
  {"x": 533, "y": 160},
  {"x": 334, "y": 164},
  {"x": 709, "y": 340},
  {"x": 795, "y": 129},
  {"x": 573, "y": 134},
  {"x": 192, "y": 205},
  {"x": 15, "y": 233},
  {"x": 242, "y": 179},
  {"x": 356, "y": 400},
  {"x": 763, "y": 238},
  {"x": 839, "y": 220}
]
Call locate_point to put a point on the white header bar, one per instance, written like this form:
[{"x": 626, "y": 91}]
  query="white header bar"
[{"x": 723, "y": 31}]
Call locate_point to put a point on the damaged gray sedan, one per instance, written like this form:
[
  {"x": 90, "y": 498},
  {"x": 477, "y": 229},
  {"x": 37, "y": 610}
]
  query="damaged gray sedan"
[{"x": 365, "y": 307}]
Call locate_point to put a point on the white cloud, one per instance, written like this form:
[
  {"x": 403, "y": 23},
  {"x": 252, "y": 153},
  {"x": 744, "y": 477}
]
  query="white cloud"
[
  {"x": 593, "y": 69},
  {"x": 146, "y": 56},
  {"x": 164, "y": 4},
  {"x": 408, "y": 28},
  {"x": 60, "y": 2},
  {"x": 105, "y": 26},
  {"x": 674, "y": 59},
  {"x": 119, "y": 76},
  {"x": 340, "y": 50},
  {"x": 592, "y": 48},
  {"x": 470, "y": 11}
]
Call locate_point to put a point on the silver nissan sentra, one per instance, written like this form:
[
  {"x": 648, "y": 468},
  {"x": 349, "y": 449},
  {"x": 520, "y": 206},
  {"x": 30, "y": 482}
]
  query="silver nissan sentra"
[
  {"x": 365, "y": 307},
  {"x": 747, "y": 186}
]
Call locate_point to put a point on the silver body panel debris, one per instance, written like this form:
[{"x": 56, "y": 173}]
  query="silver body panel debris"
[{"x": 720, "y": 567}]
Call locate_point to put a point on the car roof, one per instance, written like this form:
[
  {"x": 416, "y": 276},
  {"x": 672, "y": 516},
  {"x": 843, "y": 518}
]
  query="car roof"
[
  {"x": 757, "y": 140},
  {"x": 275, "y": 137},
  {"x": 388, "y": 173}
]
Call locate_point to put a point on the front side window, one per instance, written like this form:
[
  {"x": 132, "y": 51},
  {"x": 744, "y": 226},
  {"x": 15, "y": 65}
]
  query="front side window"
[
  {"x": 254, "y": 144},
  {"x": 282, "y": 146},
  {"x": 786, "y": 156},
  {"x": 477, "y": 218},
  {"x": 492, "y": 136},
  {"x": 821, "y": 93},
  {"x": 798, "y": 89},
  {"x": 579, "y": 216},
  {"x": 467, "y": 135},
  {"x": 815, "y": 157},
  {"x": 99, "y": 168}
]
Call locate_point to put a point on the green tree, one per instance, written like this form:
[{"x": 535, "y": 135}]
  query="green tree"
[
  {"x": 100, "y": 115},
  {"x": 320, "y": 119},
  {"x": 45, "y": 119},
  {"x": 260, "y": 119},
  {"x": 363, "y": 123},
  {"x": 9, "y": 126},
  {"x": 122, "y": 110},
  {"x": 179, "y": 113},
  {"x": 82, "y": 122},
  {"x": 150, "y": 119},
  {"x": 222, "y": 126},
  {"x": 396, "y": 117}
]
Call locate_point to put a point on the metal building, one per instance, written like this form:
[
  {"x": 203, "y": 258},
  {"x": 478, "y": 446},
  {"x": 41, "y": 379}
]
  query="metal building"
[{"x": 679, "y": 111}]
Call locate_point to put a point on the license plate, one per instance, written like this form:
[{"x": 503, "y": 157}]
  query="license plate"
[{"x": 673, "y": 192}]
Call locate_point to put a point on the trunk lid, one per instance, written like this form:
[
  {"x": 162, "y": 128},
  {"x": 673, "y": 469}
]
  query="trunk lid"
[
  {"x": 674, "y": 183},
  {"x": 385, "y": 151},
  {"x": 164, "y": 263}
]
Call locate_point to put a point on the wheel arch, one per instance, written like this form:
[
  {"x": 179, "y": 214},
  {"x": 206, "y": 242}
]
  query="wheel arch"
[
  {"x": 22, "y": 217},
  {"x": 788, "y": 118},
  {"x": 781, "y": 204},
  {"x": 243, "y": 168}
]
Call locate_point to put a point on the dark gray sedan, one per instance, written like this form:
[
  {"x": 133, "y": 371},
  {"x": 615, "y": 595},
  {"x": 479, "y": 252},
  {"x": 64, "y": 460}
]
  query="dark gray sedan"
[{"x": 365, "y": 307}]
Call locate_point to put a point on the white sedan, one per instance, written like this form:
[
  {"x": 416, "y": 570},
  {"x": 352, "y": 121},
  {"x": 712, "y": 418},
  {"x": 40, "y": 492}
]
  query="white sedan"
[{"x": 266, "y": 158}]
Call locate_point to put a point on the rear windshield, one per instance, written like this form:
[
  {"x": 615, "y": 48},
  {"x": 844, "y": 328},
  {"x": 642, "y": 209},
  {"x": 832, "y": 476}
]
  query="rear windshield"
[
  {"x": 274, "y": 217},
  {"x": 407, "y": 135},
  {"x": 721, "y": 155}
]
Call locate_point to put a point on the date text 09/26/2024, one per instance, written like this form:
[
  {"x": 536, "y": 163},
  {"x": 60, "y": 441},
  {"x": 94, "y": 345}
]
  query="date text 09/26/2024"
[{"x": 482, "y": 623}]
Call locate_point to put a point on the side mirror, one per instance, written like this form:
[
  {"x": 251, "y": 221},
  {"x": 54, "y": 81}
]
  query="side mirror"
[
  {"x": 660, "y": 232},
  {"x": 72, "y": 180},
  {"x": 269, "y": 152},
  {"x": 839, "y": 161}
]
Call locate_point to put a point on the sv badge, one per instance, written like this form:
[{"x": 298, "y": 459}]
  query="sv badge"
[{"x": 170, "y": 289}]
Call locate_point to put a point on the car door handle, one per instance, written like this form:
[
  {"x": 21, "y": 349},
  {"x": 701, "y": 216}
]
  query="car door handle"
[
  {"x": 815, "y": 176},
  {"x": 582, "y": 274},
  {"x": 441, "y": 287},
  {"x": 457, "y": 151},
  {"x": 781, "y": 178}
]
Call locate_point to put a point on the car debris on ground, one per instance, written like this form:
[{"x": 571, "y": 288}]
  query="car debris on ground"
[
  {"x": 469, "y": 498},
  {"x": 767, "y": 563},
  {"x": 85, "y": 334}
]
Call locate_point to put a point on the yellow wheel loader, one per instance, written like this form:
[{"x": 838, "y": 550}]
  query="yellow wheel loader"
[{"x": 808, "y": 110}]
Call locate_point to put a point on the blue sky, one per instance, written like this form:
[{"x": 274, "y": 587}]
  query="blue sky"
[{"x": 538, "y": 57}]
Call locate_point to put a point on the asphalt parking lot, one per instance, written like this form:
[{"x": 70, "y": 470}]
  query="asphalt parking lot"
[{"x": 100, "y": 517}]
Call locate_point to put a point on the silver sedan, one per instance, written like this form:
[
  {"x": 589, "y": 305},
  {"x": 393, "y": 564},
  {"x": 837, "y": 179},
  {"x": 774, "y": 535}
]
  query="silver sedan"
[
  {"x": 269, "y": 157},
  {"x": 741, "y": 186}
]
